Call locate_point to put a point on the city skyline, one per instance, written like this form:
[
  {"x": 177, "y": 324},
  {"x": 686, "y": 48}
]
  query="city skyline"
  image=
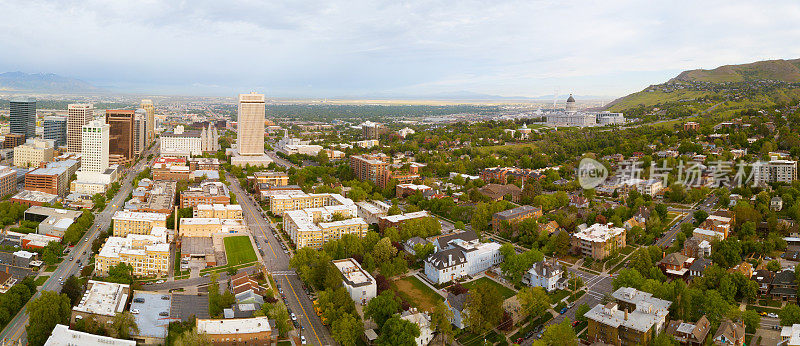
[{"x": 359, "y": 49}]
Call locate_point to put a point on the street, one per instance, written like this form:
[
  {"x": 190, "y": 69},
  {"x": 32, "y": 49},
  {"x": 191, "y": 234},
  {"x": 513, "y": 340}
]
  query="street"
[
  {"x": 81, "y": 252},
  {"x": 277, "y": 262}
]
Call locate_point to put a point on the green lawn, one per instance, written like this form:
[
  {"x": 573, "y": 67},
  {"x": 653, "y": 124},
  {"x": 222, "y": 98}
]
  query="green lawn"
[
  {"x": 505, "y": 291},
  {"x": 416, "y": 293},
  {"x": 40, "y": 280},
  {"x": 556, "y": 296},
  {"x": 239, "y": 250},
  {"x": 50, "y": 269}
]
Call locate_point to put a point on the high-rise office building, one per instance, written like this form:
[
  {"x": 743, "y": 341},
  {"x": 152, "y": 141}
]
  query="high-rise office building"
[
  {"x": 148, "y": 107},
  {"x": 22, "y": 116},
  {"x": 121, "y": 135},
  {"x": 95, "y": 146},
  {"x": 79, "y": 114},
  {"x": 250, "y": 132},
  {"x": 55, "y": 128},
  {"x": 140, "y": 131}
]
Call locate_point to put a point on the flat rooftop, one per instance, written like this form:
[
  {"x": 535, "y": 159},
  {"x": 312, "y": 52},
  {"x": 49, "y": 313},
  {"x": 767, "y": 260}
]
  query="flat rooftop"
[
  {"x": 353, "y": 275},
  {"x": 103, "y": 298},
  {"x": 234, "y": 326},
  {"x": 139, "y": 216}
]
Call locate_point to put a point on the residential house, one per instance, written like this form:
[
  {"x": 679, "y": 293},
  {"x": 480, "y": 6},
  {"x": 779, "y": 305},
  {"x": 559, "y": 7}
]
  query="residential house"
[
  {"x": 763, "y": 278},
  {"x": 689, "y": 334},
  {"x": 578, "y": 201},
  {"x": 697, "y": 247},
  {"x": 546, "y": 274},
  {"x": 446, "y": 265},
  {"x": 784, "y": 285},
  {"x": 457, "y": 304},
  {"x": 676, "y": 264},
  {"x": 497, "y": 192},
  {"x": 790, "y": 335},
  {"x": 698, "y": 268},
  {"x": 730, "y": 334},
  {"x": 598, "y": 241},
  {"x": 423, "y": 322}
]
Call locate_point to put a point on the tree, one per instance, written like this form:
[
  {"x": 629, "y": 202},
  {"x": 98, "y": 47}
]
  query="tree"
[
  {"x": 700, "y": 216},
  {"x": 790, "y": 314},
  {"x": 73, "y": 288},
  {"x": 191, "y": 337},
  {"x": 715, "y": 306},
  {"x": 774, "y": 266},
  {"x": 398, "y": 332},
  {"x": 440, "y": 321},
  {"x": 664, "y": 339},
  {"x": 382, "y": 307},
  {"x": 122, "y": 273},
  {"x": 346, "y": 330},
  {"x": 751, "y": 320},
  {"x": 384, "y": 250},
  {"x": 558, "y": 334},
  {"x": 484, "y": 308},
  {"x": 534, "y": 300},
  {"x": 124, "y": 324},
  {"x": 44, "y": 313},
  {"x": 581, "y": 312}
]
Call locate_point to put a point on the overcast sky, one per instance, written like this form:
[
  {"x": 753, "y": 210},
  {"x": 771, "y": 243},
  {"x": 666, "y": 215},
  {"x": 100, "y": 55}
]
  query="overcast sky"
[{"x": 355, "y": 48}]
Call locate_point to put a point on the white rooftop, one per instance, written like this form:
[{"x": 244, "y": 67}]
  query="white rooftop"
[
  {"x": 599, "y": 233},
  {"x": 136, "y": 215},
  {"x": 233, "y": 326},
  {"x": 407, "y": 216},
  {"x": 63, "y": 336},
  {"x": 352, "y": 272},
  {"x": 103, "y": 298}
]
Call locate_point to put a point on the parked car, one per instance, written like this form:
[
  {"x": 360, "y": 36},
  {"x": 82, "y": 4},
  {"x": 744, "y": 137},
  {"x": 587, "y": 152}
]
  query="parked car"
[
  {"x": 302, "y": 340},
  {"x": 563, "y": 310},
  {"x": 575, "y": 323},
  {"x": 294, "y": 317},
  {"x": 772, "y": 315}
]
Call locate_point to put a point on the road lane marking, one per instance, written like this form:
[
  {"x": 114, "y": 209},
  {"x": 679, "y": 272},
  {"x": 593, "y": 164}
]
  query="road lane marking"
[{"x": 304, "y": 310}]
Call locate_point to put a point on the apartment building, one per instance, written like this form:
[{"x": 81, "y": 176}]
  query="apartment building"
[
  {"x": 370, "y": 167},
  {"x": 313, "y": 227},
  {"x": 207, "y": 163},
  {"x": 280, "y": 203},
  {"x": 48, "y": 180},
  {"x": 230, "y": 211},
  {"x": 358, "y": 282},
  {"x": 153, "y": 197},
  {"x": 63, "y": 336},
  {"x": 371, "y": 211},
  {"x": 101, "y": 301},
  {"x": 598, "y": 241},
  {"x": 132, "y": 222},
  {"x": 205, "y": 193},
  {"x": 207, "y": 226},
  {"x": 775, "y": 171},
  {"x": 514, "y": 216},
  {"x": 33, "y": 152},
  {"x": 149, "y": 255},
  {"x": 236, "y": 331},
  {"x": 461, "y": 258},
  {"x": 8, "y": 181},
  {"x": 269, "y": 177},
  {"x": 634, "y": 318},
  {"x": 385, "y": 222}
]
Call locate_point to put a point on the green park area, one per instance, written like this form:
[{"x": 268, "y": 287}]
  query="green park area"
[{"x": 239, "y": 250}]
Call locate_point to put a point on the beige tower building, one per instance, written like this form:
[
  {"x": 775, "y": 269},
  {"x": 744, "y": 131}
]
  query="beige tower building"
[
  {"x": 250, "y": 132},
  {"x": 79, "y": 114},
  {"x": 147, "y": 105}
]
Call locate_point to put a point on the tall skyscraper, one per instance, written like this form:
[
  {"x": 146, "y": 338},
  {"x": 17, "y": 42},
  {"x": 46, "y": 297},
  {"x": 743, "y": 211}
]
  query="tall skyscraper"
[
  {"x": 121, "y": 135},
  {"x": 147, "y": 105},
  {"x": 22, "y": 116},
  {"x": 55, "y": 128},
  {"x": 140, "y": 131},
  {"x": 95, "y": 146},
  {"x": 250, "y": 132},
  {"x": 79, "y": 114}
]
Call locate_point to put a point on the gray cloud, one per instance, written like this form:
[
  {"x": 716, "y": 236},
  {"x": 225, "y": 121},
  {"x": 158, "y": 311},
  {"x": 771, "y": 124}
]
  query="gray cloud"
[{"x": 331, "y": 48}]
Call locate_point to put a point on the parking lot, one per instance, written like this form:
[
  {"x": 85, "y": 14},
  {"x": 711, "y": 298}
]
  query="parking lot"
[{"x": 185, "y": 306}]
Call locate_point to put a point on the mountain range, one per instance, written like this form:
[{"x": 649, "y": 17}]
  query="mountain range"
[{"x": 44, "y": 83}]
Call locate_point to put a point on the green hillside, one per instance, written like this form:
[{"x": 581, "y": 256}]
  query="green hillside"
[
  {"x": 763, "y": 83},
  {"x": 776, "y": 70}
]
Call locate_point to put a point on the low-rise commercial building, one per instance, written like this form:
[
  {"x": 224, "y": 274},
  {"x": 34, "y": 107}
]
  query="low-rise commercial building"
[
  {"x": 101, "y": 301},
  {"x": 8, "y": 181},
  {"x": 34, "y": 198},
  {"x": 207, "y": 226},
  {"x": 358, "y": 282},
  {"x": 52, "y": 180},
  {"x": 230, "y": 211},
  {"x": 236, "y": 331},
  {"x": 405, "y": 190},
  {"x": 274, "y": 178},
  {"x": 63, "y": 336},
  {"x": 205, "y": 193}
]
